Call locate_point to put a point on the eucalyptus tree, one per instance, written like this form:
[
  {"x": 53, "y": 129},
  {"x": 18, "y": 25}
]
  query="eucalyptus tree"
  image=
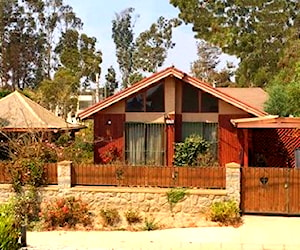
[
  {"x": 145, "y": 52},
  {"x": 256, "y": 31}
]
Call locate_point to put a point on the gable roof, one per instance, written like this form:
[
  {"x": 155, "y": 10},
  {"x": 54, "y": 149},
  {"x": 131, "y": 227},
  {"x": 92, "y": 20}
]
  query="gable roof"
[
  {"x": 171, "y": 71},
  {"x": 19, "y": 113},
  {"x": 254, "y": 97}
]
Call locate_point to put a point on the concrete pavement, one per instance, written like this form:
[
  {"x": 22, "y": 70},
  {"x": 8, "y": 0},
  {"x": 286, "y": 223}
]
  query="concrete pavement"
[{"x": 257, "y": 232}]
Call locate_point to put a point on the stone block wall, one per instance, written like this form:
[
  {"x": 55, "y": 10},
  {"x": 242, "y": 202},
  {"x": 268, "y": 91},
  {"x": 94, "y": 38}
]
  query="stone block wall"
[{"x": 144, "y": 200}]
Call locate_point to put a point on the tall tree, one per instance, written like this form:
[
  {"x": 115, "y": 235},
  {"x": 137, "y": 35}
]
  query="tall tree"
[
  {"x": 255, "y": 31},
  {"x": 60, "y": 94},
  {"x": 205, "y": 67},
  {"x": 111, "y": 82},
  {"x": 146, "y": 52}
]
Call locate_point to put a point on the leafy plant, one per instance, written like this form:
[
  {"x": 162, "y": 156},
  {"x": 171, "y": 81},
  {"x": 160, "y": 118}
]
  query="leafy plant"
[
  {"x": 187, "y": 152},
  {"x": 132, "y": 216},
  {"x": 110, "y": 216},
  {"x": 226, "y": 212},
  {"x": 65, "y": 212},
  {"x": 175, "y": 195},
  {"x": 150, "y": 225},
  {"x": 9, "y": 230}
]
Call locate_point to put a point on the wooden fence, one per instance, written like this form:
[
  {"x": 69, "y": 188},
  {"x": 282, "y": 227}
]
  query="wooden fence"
[
  {"x": 138, "y": 176},
  {"x": 50, "y": 173},
  {"x": 148, "y": 176}
]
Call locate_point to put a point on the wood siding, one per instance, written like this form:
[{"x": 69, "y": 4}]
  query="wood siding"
[
  {"x": 108, "y": 137},
  {"x": 230, "y": 140}
]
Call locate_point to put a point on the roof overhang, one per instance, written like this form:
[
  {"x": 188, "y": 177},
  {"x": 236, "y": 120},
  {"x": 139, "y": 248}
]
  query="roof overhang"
[
  {"x": 168, "y": 72},
  {"x": 269, "y": 121},
  {"x": 34, "y": 130}
]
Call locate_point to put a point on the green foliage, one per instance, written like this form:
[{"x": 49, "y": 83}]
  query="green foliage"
[
  {"x": 4, "y": 92},
  {"x": 81, "y": 149},
  {"x": 145, "y": 53},
  {"x": 132, "y": 216},
  {"x": 111, "y": 82},
  {"x": 27, "y": 207},
  {"x": 205, "y": 67},
  {"x": 226, "y": 212},
  {"x": 60, "y": 92},
  {"x": 150, "y": 224},
  {"x": 9, "y": 231},
  {"x": 65, "y": 212},
  {"x": 284, "y": 99},
  {"x": 256, "y": 32},
  {"x": 110, "y": 216},
  {"x": 175, "y": 195},
  {"x": 187, "y": 152}
]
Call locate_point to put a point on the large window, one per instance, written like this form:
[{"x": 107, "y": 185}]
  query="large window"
[
  {"x": 195, "y": 100},
  {"x": 151, "y": 100},
  {"x": 144, "y": 144},
  {"x": 208, "y": 131}
]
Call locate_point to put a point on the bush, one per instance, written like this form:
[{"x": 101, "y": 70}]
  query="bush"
[
  {"x": 65, "y": 212},
  {"x": 187, "y": 152},
  {"x": 132, "y": 217},
  {"x": 9, "y": 230},
  {"x": 150, "y": 225},
  {"x": 175, "y": 195},
  {"x": 110, "y": 216},
  {"x": 226, "y": 213}
]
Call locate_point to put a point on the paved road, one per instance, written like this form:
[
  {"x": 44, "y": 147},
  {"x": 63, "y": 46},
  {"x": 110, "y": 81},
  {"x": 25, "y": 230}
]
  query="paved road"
[{"x": 257, "y": 232}]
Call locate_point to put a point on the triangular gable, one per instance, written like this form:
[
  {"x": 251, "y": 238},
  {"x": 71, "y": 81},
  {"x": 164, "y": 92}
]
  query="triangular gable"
[{"x": 171, "y": 71}]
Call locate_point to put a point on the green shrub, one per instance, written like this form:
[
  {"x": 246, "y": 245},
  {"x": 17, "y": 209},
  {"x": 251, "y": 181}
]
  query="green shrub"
[
  {"x": 175, "y": 195},
  {"x": 226, "y": 213},
  {"x": 150, "y": 225},
  {"x": 132, "y": 216},
  {"x": 110, "y": 216},
  {"x": 9, "y": 230},
  {"x": 187, "y": 152},
  {"x": 65, "y": 212}
]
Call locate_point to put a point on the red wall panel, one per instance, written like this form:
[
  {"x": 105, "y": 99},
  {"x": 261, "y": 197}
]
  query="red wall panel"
[{"x": 108, "y": 137}]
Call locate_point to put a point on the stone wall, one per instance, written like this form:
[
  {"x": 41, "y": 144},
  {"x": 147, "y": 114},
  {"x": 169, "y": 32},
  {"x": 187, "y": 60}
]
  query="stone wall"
[{"x": 144, "y": 200}]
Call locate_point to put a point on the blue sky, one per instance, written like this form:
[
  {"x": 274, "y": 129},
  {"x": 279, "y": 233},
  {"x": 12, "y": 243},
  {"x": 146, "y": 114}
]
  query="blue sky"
[{"x": 98, "y": 14}]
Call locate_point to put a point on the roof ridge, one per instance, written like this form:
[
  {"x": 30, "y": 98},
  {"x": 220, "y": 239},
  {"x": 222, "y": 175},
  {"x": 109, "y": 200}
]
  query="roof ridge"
[{"x": 24, "y": 100}]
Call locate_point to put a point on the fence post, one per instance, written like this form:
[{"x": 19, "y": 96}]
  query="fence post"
[
  {"x": 233, "y": 181},
  {"x": 64, "y": 174}
]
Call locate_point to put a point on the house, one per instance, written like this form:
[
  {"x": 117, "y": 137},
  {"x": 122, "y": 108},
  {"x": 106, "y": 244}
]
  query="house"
[
  {"x": 140, "y": 124},
  {"x": 18, "y": 113}
]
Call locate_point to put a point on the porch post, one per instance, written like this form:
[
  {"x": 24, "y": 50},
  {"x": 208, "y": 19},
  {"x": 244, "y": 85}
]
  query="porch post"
[
  {"x": 233, "y": 181},
  {"x": 246, "y": 147},
  {"x": 170, "y": 132}
]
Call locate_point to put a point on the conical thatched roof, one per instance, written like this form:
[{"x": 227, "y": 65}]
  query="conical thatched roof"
[{"x": 19, "y": 113}]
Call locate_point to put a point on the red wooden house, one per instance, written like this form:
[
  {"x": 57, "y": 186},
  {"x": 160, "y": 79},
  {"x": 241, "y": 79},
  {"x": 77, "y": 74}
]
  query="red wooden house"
[{"x": 140, "y": 124}]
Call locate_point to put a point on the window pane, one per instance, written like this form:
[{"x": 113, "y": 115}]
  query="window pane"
[
  {"x": 144, "y": 144},
  {"x": 155, "y": 99},
  {"x": 189, "y": 128},
  {"x": 135, "y": 143},
  {"x": 209, "y": 103},
  {"x": 155, "y": 144},
  {"x": 135, "y": 104},
  {"x": 190, "y": 102},
  {"x": 208, "y": 131}
]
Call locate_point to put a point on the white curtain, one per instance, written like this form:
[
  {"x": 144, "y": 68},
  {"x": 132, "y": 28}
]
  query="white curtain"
[{"x": 144, "y": 144}]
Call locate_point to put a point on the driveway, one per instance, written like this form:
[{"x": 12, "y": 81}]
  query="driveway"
[{"x": 257, "y": 232}]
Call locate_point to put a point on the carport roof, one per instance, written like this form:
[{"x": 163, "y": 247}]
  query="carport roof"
[{"x": 269, "y": 121}]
